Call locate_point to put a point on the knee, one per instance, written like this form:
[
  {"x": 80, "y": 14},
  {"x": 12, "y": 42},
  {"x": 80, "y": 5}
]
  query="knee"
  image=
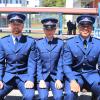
[
  {"x": 2, "y": 98},
  {"x": 29, "y": 96},
  {"x": 96, "y": 90},
  {"x": 70, "y": 96},
  {"x": 58, "y": 98},
  {"x": 98, "y": 97},
  {"x": 43, "y": 97}
]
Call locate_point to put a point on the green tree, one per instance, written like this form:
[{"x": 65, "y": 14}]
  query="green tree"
[{"x": 53, "y": 3}]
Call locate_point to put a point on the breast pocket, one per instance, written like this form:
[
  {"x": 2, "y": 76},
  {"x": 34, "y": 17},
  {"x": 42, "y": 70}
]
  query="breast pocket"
[
  {"x": 92, "y": 58},
  {"x": 55, "y": 55}
]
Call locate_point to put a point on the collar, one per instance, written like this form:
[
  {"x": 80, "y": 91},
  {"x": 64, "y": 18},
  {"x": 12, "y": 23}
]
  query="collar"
[
  {"x": 87, "y": 39},
  {"x": 48, "y": 39},
  {"x": 13, "y": 37}
]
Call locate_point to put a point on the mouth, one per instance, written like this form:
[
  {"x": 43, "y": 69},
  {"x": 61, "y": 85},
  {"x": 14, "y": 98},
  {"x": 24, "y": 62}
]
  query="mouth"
[{"x": 16, "y": 31}]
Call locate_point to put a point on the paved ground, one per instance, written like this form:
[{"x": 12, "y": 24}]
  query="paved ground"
[{"x": 16, "y": 95}]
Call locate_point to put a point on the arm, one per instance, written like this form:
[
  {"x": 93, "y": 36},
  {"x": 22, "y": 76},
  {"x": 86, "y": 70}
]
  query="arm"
[
  {"x": 32, "y": 62},
  {"x": 2, "y": 61},
  {"x": 39, "y": 65},
  {"x": 2, "y": 64},
  {"x": 98, "y": 67},
  {"x": 67, "y": 64},
  {"x": 40, "y": 79},
  {"x": 59, "y": 77},
  {"x": 59, "y": 67}
]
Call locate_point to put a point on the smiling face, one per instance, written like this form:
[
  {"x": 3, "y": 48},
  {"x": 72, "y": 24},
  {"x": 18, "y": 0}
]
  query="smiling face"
[
  {"x": 85, "y": 30},
  {"x": 16, "y": 28},
  {"x": 49, "y": 33}
]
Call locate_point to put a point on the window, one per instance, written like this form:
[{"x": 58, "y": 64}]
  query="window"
[
  {"x": 16, "y": 1},
  {"x": 20, "y": 1},
  {"x": 3, "y": 1},
  {"x": 10, "y": 1}
]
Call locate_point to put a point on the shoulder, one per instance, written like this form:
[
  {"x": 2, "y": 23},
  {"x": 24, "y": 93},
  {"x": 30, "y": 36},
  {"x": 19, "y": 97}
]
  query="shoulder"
[
  {"x": 96, "y": 39},
  {"x": 70, "y": 39},
  {"x": 29, "y": 38},
  {"x": 60, "y": 41},
  {"x": 39, "y": 40},
  {"x": 5, "y": 37}
]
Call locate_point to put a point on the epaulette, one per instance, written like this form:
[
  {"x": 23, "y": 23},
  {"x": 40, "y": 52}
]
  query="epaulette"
[
  {"x": 98, "y": 38},
  {"x": 39, "y": 39},
  {"x": 69, "y": 38},
  {"x": 59, "y": 38},
  {"x": 5, "y": 36}
]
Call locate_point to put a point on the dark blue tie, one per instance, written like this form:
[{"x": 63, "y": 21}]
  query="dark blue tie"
[
  {"x": 16, "y": 43},
  {"x": 85, "y": 44},
  {"x": 16, "y": 40}
]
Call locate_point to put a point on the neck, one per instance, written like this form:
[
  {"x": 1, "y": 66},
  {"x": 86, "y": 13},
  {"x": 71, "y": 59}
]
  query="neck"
[
  {"x": 16, "y": 35},
  {"x": 50, "y": 38}
]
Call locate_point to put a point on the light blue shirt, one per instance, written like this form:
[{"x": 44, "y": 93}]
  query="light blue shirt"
[{"x": 14, "y": 37}]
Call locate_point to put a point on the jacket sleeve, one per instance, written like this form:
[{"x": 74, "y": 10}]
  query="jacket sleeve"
[
  {"x": 60, "y": 66},
  {"x": 67, "y": 62},
  {"x": 98, "y": 63},
  {"x": 39, "y": 65},
  {"x": 2, "y": 61},
  {"x": 32, "y": 62}
]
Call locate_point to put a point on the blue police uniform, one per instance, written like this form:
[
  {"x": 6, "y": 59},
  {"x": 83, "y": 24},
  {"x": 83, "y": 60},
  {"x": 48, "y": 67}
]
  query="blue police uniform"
[
  {"x": 80, "y": 63},
  {"x": 17, "y": 62},
  {"x": 49, "y": 64}
]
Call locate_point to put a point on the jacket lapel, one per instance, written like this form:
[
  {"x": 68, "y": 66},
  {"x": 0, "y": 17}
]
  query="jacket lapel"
[
  {"x": 54, "y": 43},
  {"x": 80, "y": 44},
  {"x": 11, "y": 43},
  {"x": 21, "y": 42},
  {"x": 51, "y": 46},
  {"x": 90, "y": 45}
]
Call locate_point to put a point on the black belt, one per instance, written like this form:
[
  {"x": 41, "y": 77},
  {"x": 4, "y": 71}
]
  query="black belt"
[
  {"x": 20, "y": 72},
  {"x": 83, "y": 69}
]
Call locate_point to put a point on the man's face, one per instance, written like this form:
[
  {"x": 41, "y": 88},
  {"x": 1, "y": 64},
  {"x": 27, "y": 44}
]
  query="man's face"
[
  {"x": 16, "y": 27},
  {"x": 85, "y": 30},
  {"x": 49, "y": 33}
]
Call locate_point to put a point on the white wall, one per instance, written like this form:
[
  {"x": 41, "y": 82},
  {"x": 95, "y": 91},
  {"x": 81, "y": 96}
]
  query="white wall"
[{"x": 69, "y": 4}]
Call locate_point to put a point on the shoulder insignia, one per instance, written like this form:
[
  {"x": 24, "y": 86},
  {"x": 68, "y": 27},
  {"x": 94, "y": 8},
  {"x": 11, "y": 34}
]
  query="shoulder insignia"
[{"x": 5, "y": 36}]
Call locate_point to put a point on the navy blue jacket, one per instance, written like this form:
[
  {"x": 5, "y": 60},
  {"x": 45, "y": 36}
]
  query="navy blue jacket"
[
  {"x": 78, "y": 59},
  {"x": 19, "y": 61},
  {"x": 49, "y": 59}
]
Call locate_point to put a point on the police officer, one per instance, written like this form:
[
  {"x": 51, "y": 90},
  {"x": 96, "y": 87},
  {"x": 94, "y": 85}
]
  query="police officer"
[
  {"x": 17, "y": 59},
  {"x": 81, "y": 54},
  {"x": 49, "y": 66}
]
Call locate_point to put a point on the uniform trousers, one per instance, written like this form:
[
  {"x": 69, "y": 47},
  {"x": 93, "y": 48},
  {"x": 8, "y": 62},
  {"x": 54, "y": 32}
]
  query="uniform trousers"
[
  {"x": 43, "y": 93},
  {"x": 28, "y": 94}
]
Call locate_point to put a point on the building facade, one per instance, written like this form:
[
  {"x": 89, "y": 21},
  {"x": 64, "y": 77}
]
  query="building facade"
[{"x": 79, "y": 4}]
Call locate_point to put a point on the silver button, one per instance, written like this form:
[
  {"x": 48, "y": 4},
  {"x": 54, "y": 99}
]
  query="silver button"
[
  {"x": 84, "y": 64},
  {"x": 75, "y": 55},
  {"x": 85, "y": 56}
]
